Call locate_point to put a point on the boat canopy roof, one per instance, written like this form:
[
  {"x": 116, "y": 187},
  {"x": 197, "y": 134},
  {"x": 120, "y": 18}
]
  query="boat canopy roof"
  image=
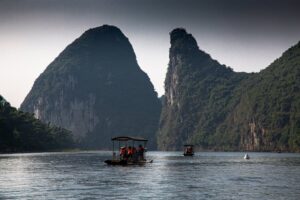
[
  {"x": 127, "y": 138},
  {"x": 188, "y": 145}
]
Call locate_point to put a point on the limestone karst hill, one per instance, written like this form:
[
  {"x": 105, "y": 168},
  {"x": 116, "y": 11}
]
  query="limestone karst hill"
[
  {"x": 210, "y": 105},
  {"x": 96, "y": 89}
]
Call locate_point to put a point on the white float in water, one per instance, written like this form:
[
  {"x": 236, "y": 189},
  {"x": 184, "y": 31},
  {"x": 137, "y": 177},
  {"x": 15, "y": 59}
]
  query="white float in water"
[{"x": 246, "y": 157}]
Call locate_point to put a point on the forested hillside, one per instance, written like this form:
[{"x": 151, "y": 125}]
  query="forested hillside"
[
  {"x": 213, "y": 107},
  {"x": 21, "y": 132}
]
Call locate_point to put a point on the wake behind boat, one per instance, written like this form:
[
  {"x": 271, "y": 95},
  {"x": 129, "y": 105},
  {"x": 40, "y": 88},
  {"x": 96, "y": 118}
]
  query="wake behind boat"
[{"x": 129, "y": 154}]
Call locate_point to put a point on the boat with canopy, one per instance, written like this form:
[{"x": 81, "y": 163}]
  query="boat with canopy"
[
  {"x": 188, "y": 150},
  {"x": 131, "y": 151}
]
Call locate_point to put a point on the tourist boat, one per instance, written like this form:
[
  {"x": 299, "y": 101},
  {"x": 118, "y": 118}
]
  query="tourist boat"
[
  {"x": 128, "y": 153},
  {"x": 188, "y": 150}
]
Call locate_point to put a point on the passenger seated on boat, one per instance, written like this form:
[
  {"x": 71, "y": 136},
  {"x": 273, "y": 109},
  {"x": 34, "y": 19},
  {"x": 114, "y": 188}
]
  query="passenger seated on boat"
[
  {"x": 189, "y": 150},
  {"x": 141, "y": 151},
  {"x": 134, "y": 154},
  {"x": 130, "y": 152},
  {"x": 123, "y": 153}
]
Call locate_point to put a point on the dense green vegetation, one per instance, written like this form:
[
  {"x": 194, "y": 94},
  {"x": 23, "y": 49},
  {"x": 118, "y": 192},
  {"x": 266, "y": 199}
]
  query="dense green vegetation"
[
  {"x": 271, "y": 100},
  {"x": 96, "y": 89},
  {"x": 21, "y": 132},
  {"x": 210, "y": 105}
]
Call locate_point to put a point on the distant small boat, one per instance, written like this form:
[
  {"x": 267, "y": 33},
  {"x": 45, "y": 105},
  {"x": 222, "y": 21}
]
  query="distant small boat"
[
  {"x": 246, "y": 157},
  {"x": 188, "y": 150}
]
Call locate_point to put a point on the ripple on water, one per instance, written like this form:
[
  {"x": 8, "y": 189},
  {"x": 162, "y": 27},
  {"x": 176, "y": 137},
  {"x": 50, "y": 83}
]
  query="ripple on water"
[{"x": 212, "y": 175}]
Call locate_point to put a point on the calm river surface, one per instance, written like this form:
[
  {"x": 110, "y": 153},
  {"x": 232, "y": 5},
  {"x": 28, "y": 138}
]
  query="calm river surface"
[{"x": 213, "y": 175}]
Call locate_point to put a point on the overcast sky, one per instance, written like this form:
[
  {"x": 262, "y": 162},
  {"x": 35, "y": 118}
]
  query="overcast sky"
[{"x": 246, "y": 35}]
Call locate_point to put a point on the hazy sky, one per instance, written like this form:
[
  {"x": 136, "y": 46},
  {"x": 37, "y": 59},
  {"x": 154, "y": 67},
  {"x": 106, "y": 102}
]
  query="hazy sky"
[{"x": 246, "y": 35}]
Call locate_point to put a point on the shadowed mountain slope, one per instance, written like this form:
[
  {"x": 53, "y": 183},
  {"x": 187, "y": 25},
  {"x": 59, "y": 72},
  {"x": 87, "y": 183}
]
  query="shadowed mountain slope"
[{"x": 96, "y": 89}]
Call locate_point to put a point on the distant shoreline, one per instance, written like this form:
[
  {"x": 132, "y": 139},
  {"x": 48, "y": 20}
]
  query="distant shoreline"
[{"x": 90, "y": 150}]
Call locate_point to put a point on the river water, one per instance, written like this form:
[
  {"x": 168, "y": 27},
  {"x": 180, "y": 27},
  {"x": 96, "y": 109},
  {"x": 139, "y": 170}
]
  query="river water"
[{"x": 212, "y": 175}]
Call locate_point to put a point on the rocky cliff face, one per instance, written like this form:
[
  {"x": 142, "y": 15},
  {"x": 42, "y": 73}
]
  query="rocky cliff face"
[
  {"x": 96, "y": 89},
  {"x": 210, "y": 105}
]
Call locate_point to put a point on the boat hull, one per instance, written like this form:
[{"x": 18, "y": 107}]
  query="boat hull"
[
  {"x": 125, "y": 162},
  {"x": 188, "y": 154}
]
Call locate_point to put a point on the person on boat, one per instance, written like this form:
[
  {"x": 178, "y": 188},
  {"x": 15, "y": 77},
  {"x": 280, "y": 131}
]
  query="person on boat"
[
  {"x": 130, "y": 152},
  {"x": 189, "y": 150},
  {"x": 134, "y": 154},
  {"x": 141, "y": 151},
  {"x": 123, "y": 153},
  {"x": 133, "y": 150}
]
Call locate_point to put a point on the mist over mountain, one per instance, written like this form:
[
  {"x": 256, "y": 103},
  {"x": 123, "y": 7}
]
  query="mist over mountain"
[
  {"x": 96, "y": 89},
  {"x": 210, "y": 105}
]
